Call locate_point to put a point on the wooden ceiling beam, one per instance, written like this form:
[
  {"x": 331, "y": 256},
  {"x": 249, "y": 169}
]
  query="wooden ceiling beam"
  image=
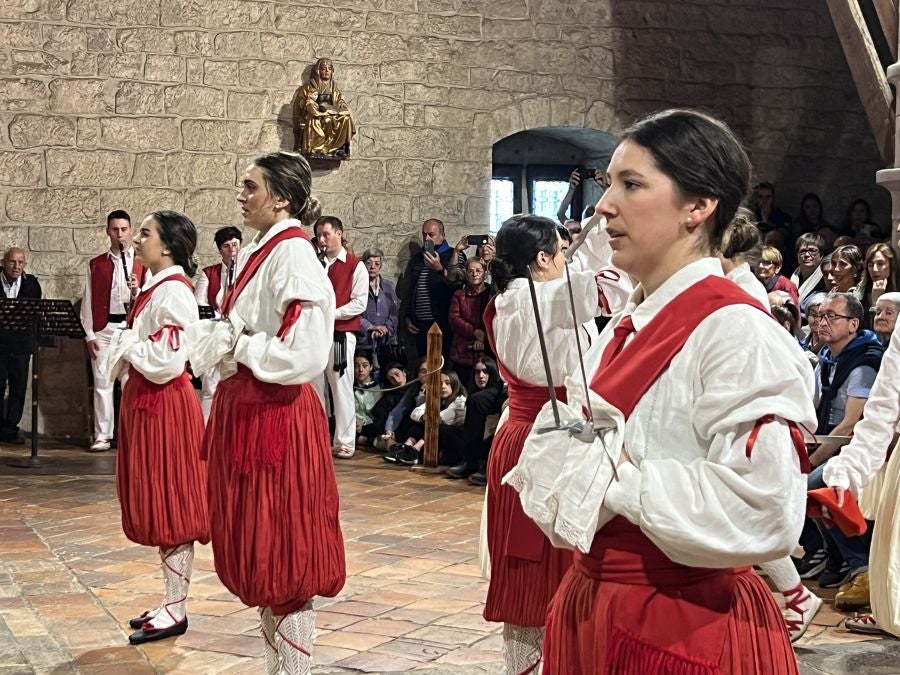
[{"x": 887, "y": 17}]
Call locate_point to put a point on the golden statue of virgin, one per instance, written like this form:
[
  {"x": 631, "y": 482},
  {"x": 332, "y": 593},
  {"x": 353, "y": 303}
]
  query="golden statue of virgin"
[{"x": 322, "y": 119}]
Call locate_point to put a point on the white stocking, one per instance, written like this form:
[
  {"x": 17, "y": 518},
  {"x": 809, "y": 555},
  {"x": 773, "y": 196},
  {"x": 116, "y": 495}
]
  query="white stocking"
[
  {"x": 294, "y": 635},
  {"x": 522, "y": 649},
  {"x": 267, "y": 626},
  {"x": 782, "y": 573},
  {"x": 176, "y": 563}
]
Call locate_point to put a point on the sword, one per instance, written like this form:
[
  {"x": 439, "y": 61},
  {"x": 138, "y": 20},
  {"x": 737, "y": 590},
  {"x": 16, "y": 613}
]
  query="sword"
[{"x": 543, "y": 344}]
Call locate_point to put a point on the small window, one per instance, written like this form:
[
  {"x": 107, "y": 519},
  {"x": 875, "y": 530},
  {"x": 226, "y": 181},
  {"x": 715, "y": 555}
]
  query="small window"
[
  {"x": 503, "y": 203},
  {"x": 546, "y": 196}
]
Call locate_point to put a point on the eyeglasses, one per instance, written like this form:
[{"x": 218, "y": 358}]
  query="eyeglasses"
[
  {"x": 767, "y": 263},
  {"x": 831, "y": 316},
  {"x": 809, "y": 251}
]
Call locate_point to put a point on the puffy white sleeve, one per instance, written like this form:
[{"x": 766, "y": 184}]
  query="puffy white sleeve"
[
  {"x": 87, "y": 319},
  {"x": 163, "y": 355},
  {"x": 295, "y": 279},
  {"x": 728, "y": 508},
  {"x": 863, "y": 457},
  {"x": 201, "y": 289},
  {"x": 593, "y": 293}
]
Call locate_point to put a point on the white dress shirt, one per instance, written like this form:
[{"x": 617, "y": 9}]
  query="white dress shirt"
[
  {"x": 359, "y": 290},
  {"x": 119, "y": 293},
  {"x": 11, "y": 288}
]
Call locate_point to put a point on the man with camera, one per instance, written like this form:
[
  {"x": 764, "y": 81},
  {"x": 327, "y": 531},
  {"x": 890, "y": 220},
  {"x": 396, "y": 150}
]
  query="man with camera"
[{"x": 430, "y": 287}]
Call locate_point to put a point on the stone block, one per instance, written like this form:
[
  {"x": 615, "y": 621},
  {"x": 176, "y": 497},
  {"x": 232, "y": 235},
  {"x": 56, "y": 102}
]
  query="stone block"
[
  {"x": 448, "y": 209},
  {"x": 221, "y": 73},
  {"x": 237, "y": 45},
  {"x": 83, "y": 64},
  {"x": 358, "y": 175},
  {"x": 438, "y": 6},
  {"x": 38, "y": 63},
  {"x": 54, "y": 205},
  {"x": 193, "y": 43},
  {"x": 371, "y": 209},
  {"x": 253, "y": 72},
  {"x": 445, "y": 116},
  {"x": 414, "y": 115},
  {"x": 409, "y": 176},
  {"x": 376, "y": 110},
  {"x": 480, "y": 99},
  {"x": 187, "y": 100},
  {"x": 22, "y": 169},
  {"x": 146, "y": 40},
  {"x": 28, "y": 131},
  {"x": 13, "y": 235},
  {"x": 92, "y": 168},
  {"x": 454, "y": 26},
  {"x": 149, "y": 169},
  {"x": 421, "y": 93},
  {"x": 372, "y": 47},
  {"x": 322, "y": 20},
  {"x": 546, "y": 31},
  {"x": 279, "y": 46},
  {"x": 428, "y": 48},
  {"x": 35, "y": 10},
  {"x": 468, "y": 178},
  {"x": 405, "y": 6},
  {"x": 57, "y": 239},
  {"x": 447, "y": 73},
  {"x": 498, "y": 9},
  {"x": 118, "y": 13},
  {"x": 88, "y": 133},
  {"x": 148, "y": 133},
  {"x": 193, "y": 70},
  {"x": 23, "y": 94},
  {"x": 220, "y": 135},
  {"x": 212, "y": 206},
  {"x": 90, "y": 240},
  {"x": 49, "y": 264},
  {"x": 403, "y": 71},
  {"x": 239, "y": 14},
  {"x": 19, "y": 35},
  {"x": 477, "y": 211},
  {"x": 164, "y": 68},
  {"x": 385, "y": 22},
  {"x": 140, "y": 201},
  {"x": 338, "y": 204},
  {"x": 79, "y": 96},
  {"x": 187, "y": 169},
  {"x": 100, "y": 40},
  {"x": 506, "y": 29},
  {"x": 138, "y": 98},
  {"x": 125, "y": 66},
  {"x": 337, "y": 48},
  {"x": 249, "y": 105}
]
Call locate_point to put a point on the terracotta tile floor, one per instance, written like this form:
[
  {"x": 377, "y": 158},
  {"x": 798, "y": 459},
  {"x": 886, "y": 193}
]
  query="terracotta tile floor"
[{"x": 69, "y": 580}]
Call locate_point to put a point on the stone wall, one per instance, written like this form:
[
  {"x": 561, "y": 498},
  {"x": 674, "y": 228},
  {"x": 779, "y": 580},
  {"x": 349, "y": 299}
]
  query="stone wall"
[{"x": 142, "y": 104}]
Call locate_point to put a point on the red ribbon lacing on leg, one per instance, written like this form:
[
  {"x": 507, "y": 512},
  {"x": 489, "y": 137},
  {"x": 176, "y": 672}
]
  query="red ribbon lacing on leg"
[
  {"x": 792, "y": 599},
  {"x": 148, "y": 624},
  {"x": 796, "y": 436},
  {"x": 531, "y": 668},
  {"x": 288, "y": 640}
]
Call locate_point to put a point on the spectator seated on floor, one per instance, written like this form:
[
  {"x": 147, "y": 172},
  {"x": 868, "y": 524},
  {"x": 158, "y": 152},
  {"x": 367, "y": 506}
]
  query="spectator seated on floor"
[
  {"x": 393, "y": 387},
  {"x": 453, "y": 415},
  {"x": 487, "y": 393},
  {"x": 768, "y": 271},
  {"x": 365, "y": 391},
  {"x": 844, "y": 376},
  {"x": 398, "y": 421},
  {"x": 886, "y": 309}
]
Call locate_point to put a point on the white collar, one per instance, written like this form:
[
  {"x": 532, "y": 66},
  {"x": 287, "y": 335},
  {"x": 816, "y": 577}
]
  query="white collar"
[
  {"x": 342, "y": 256},
  {"x": 116, "y": 255},
  {"x": 642, "y": 310},
  {"x": 280, "y": 226},
  {"x": 163, "y": 274}
]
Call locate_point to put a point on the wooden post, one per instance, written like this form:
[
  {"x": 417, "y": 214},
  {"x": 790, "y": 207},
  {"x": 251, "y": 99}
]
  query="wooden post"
[{"x": 433, "y": 396}]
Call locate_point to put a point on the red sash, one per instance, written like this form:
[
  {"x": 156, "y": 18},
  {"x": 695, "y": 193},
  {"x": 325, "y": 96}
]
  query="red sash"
[{"x": 141, "y": 301}]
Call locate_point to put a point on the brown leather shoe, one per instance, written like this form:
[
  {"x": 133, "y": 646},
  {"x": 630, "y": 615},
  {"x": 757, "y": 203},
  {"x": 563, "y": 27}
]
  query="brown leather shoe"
[{"x": 856, "y": 596}]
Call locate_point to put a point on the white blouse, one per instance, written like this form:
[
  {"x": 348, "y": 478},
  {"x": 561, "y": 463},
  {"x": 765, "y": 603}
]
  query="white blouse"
[
  {"x": 290, "y": 272},
  {"x": 743, "y": 276},
  {"x": 165, "y": 357},
  {"x": 688, "y": 483}
]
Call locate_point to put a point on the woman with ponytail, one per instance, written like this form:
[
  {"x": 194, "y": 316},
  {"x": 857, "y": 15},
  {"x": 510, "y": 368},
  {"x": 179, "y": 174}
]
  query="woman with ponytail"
[
  {"x": 160, "y": 480},
  {"x": 525, "y": 568},
  {"x": 273, "y": 497}
]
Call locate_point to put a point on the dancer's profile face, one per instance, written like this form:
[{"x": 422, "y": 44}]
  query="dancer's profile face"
[
  {"x": 149, "y": 247},
  {"x": 259, "y": 208}
]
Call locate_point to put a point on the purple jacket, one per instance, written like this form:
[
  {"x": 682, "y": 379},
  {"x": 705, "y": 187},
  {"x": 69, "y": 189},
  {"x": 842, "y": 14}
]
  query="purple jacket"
[{"x": 380, "y": 311}]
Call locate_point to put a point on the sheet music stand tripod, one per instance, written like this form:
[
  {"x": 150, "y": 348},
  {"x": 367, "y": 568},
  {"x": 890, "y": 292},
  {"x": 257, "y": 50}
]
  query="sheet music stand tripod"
[{"x": 40, "y": 318}]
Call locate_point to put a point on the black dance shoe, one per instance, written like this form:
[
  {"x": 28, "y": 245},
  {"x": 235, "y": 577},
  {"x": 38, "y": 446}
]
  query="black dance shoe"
[
  {"x": 460, "y": 471},
  {"x": 139, "y": 621},
  {"x": 150, "y": 634}
]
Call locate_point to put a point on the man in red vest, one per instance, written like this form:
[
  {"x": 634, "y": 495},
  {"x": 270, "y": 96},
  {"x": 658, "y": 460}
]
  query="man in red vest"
[
  {"x": 108, "y": 291},
  {"x": 351, "y": 286},
  {"x": 207, "y": 292}
]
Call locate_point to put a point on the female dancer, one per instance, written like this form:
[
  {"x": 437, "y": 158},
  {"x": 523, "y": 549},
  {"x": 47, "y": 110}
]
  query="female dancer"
[
  {"x": 525, "y": 568},
  {"x": 160, "y": 479},
  {"x": 698, "y": 475},
  {"x": 273, "y": 498}
]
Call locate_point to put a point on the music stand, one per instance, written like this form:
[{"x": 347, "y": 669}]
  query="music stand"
[{"x": 38, "y": 317}]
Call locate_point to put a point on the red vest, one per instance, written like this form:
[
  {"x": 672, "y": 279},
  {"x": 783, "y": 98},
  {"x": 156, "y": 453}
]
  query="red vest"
[
  {"x": 101, "y": 271},
  {"x": 214, "y": 274},
  {"x": 341, "y": 275}
]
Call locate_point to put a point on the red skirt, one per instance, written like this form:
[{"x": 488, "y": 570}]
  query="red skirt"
[
  {"x": 273, "y": 497},
  {"x": 160, "y": 478},
  {"x": 525, "y": 569},
  {"x": 626, "y": 609}
]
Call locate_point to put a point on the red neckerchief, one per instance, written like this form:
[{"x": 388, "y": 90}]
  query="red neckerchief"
[
  {"x": 256, "y": 258},
  {"x": 144, "y": 298}
]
